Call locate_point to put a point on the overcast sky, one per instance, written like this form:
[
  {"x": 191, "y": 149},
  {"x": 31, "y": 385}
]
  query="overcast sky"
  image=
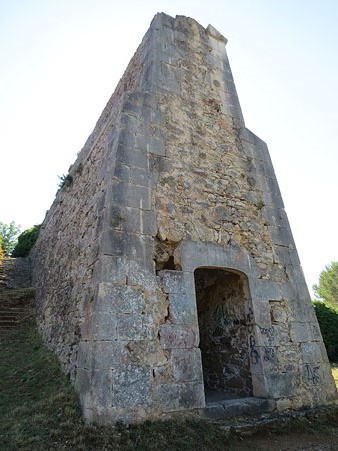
[{"x": 60, "y": 61}]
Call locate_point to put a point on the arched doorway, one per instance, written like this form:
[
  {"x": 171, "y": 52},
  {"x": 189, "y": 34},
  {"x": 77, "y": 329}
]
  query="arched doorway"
[{"x": 223, "y": 302}]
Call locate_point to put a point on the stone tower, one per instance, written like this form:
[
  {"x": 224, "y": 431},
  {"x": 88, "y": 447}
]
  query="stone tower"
[{"x": 166, "y": 271}]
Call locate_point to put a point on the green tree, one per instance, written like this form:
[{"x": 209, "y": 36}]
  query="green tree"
[
  {"x": 328, "y": 323},
  {"x": 9, "y": 234},
  {"x": 327, "y": 288},
  {"x": 26, "y": 241},
  {"x": 2, "y": 254}
]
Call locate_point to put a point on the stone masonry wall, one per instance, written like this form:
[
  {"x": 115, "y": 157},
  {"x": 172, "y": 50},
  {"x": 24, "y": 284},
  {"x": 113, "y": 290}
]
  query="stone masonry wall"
[{"x": 171, "y": 181}]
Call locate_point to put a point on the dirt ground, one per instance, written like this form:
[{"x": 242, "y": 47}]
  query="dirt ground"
[
  {"x": 317, "y": 440},
  {"x": 293, "y": 441}
]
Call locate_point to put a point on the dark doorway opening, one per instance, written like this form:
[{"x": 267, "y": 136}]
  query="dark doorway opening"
[{"x": 222, "y": 302}]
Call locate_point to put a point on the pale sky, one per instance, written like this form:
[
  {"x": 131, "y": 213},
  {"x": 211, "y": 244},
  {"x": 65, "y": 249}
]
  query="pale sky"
[{"x": 60, "y": 61}]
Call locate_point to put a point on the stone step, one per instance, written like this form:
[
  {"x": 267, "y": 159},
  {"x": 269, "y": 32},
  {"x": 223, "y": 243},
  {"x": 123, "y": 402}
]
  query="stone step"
[
  {"x": 16, "y": 293},
  {"x": 14, "y": 305},
  {"x": 12, "y": 311},
  {"x": 227, "y": 408},
  {"x": 9, "y": 311},
  {"x": 7, "y": 324},
  {"x": 16, "y": 298},
  {"x": 8, "y": 317}
]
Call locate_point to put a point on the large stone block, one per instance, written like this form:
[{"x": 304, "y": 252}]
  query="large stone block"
[
  {"x": 142, "y": 273},
  {"x": 265, "y": 290},
  {"x": 131, "y": 386},
  {"x": 187, "y": 365},
  {"x": 120, "y": 299},
  {"x": 133, "y": 220},
  {"x": 122, "y": 172},
  {"x": 85, "y": 355},
  {"x": 101, "y": 383},
  {"x": 300, "y": 332},
  {"x": 174, "y": 397},
  {"x": 275, "y": 216},
  {"x": 183, "y": 309},
  {"x": 128, "y": 245},
  {"x": 131, "y": 195},
  {"x": 175, "y": 336},
  {"x": 311, "y": 352},
  {"x": 312, "y": 374},
  {"x": 178, "y": 282},
  {"x": 131, "y": 157},
  {"x": 133, "y": 326},
  {"x": 108, "y": 354},
  {"x": 104, "y": 325},
  {"x": 282, "y": 384},
  {"x": 140, "y": 177}
]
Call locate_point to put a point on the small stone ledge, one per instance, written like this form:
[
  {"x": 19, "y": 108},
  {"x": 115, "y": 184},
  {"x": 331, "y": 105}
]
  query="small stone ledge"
[
  {"x": 228, "y": 408},
  {"x": 252, "y": 424}
]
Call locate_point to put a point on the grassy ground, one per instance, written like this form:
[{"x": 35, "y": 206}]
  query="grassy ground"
[{"x": 39, "y": 410}]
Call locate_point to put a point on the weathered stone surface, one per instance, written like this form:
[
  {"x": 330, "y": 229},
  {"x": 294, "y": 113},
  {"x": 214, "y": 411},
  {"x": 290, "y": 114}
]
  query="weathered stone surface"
[
  {"x": 175, "y": 336},
  {"x": 131, "y": 385},
  {"x": 170, "y": 240},
  {"x": 182, "y": 309},
  {"x": 178, "y": 282},
  {"x": 182, "y": 396},
  {"x": 187, "y": 365},
  {"x": 282, "y": 384},
  {"x": 235, "y": 407}
]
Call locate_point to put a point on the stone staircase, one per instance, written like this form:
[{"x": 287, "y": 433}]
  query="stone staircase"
[
  {"x": 16, "y": 294},
  {"x": 14, "y": 306}
]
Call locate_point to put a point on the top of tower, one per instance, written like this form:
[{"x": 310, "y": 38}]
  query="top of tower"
[{"x": 210, "y": 30}]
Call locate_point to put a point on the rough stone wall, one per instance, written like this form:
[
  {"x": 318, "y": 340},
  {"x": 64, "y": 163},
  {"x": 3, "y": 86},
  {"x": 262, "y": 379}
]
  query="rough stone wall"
[{"x": 171, "y": 181}]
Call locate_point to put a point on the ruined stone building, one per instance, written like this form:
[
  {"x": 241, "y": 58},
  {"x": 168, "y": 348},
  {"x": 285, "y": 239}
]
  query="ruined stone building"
[{"x": 166, "y": 272}]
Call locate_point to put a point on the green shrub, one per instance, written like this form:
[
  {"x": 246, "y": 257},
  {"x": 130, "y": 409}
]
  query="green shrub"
[
  {"x": 26, "y": 241},
  {"x": 328, "y": 323}
]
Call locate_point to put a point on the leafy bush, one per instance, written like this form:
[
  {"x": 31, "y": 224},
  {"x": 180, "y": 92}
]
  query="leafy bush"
[
  {"x": 328, "y": 323},
  {"x": 26, "y": 241}
]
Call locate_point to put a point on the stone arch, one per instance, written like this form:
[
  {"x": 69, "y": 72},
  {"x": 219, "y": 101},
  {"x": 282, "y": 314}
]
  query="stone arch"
[{"x": 256, "y": 313}]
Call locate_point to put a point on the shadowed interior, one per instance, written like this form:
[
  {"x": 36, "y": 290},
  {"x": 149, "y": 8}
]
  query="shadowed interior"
[{"x": 222, "y": 296}]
